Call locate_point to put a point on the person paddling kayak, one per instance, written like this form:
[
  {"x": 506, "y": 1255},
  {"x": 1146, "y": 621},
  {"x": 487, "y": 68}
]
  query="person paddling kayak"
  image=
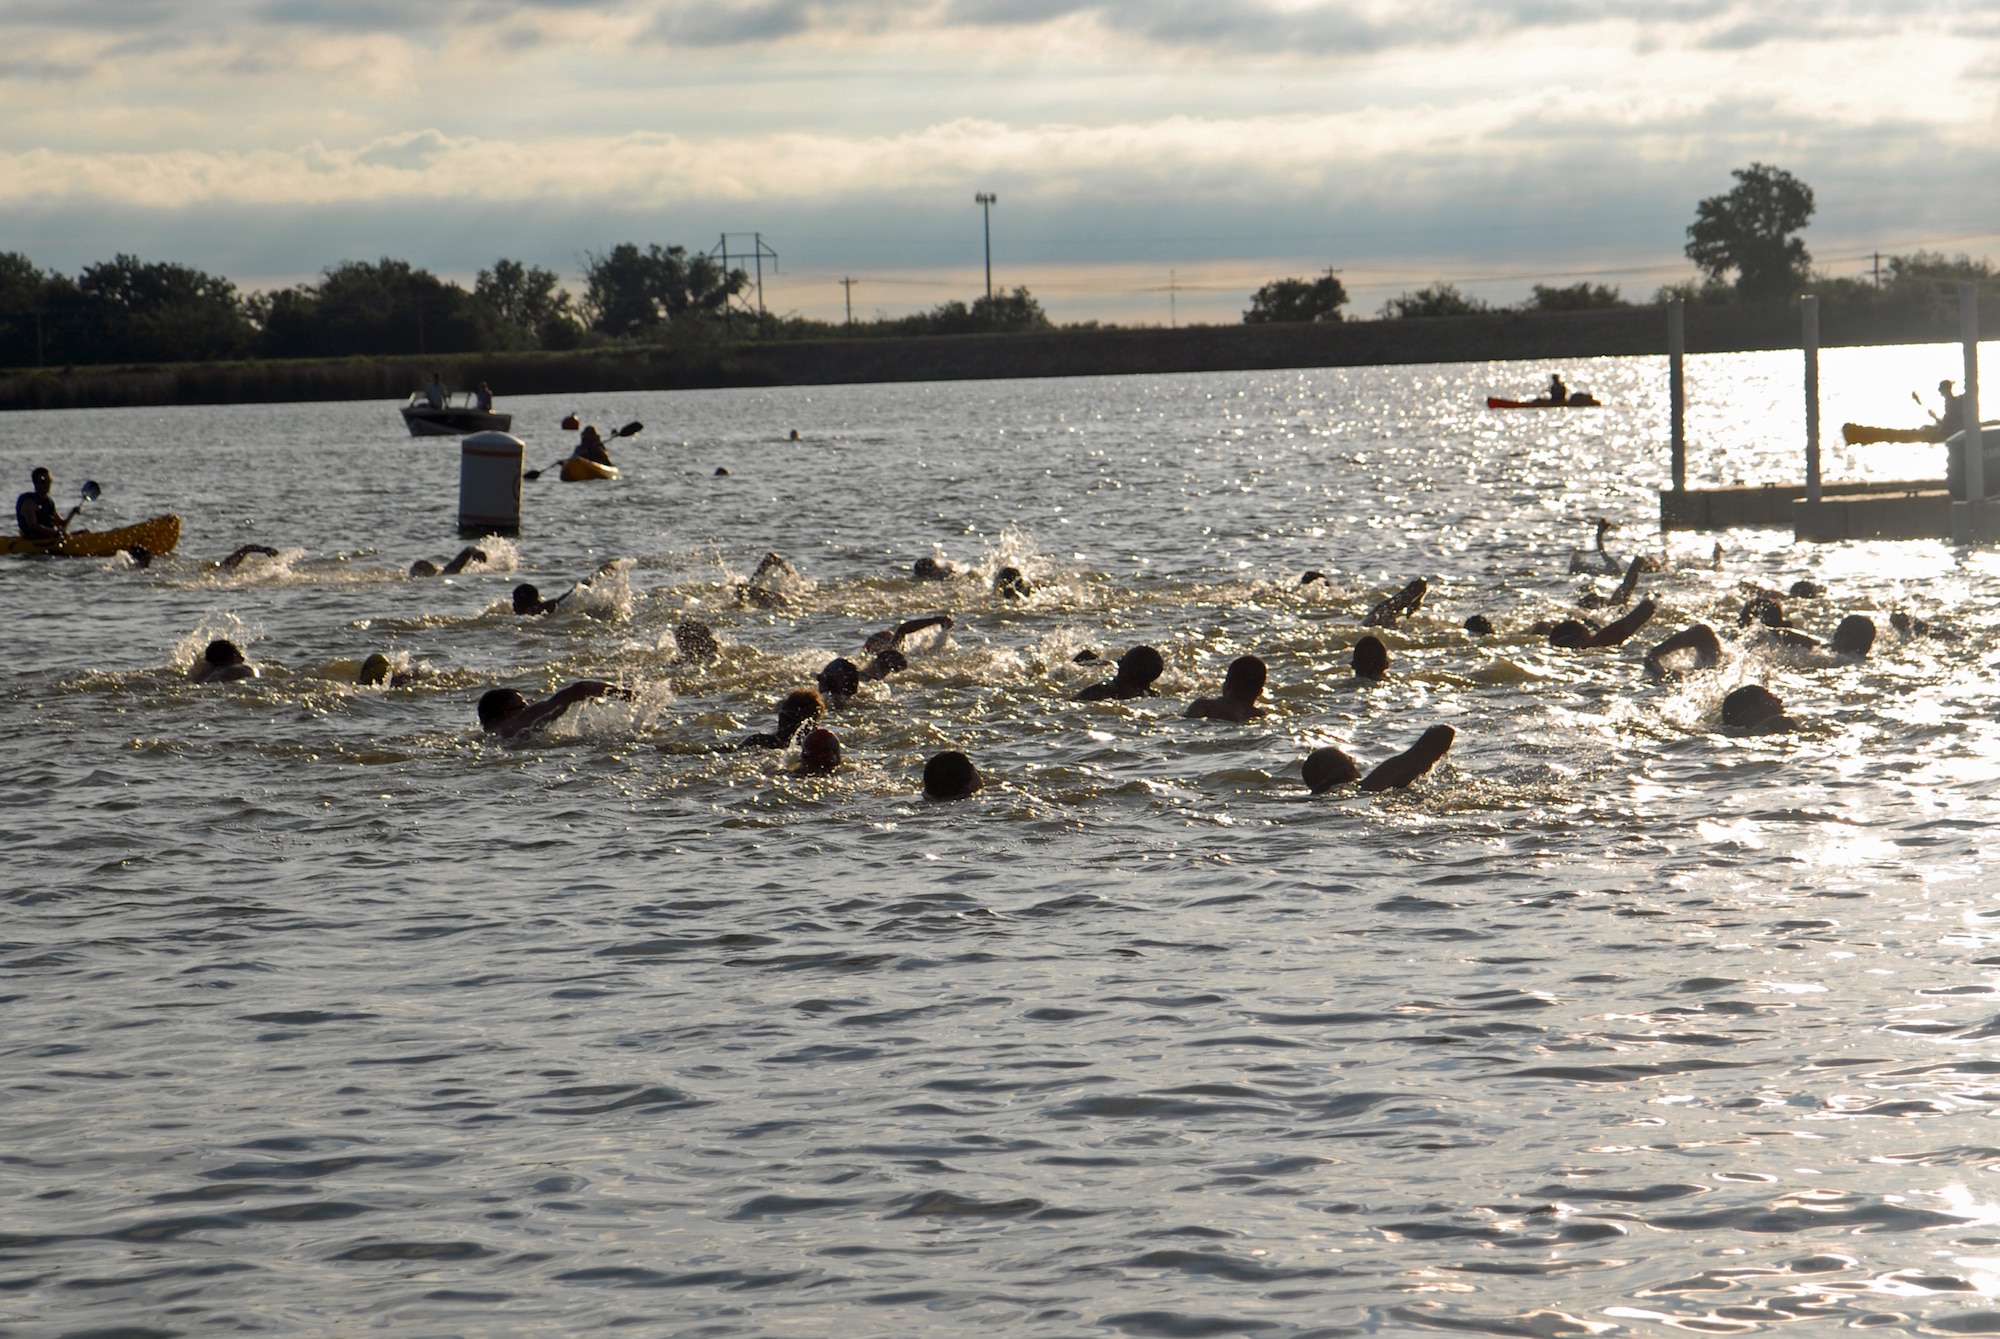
[
  {"x": 35, "y": 512},
  {"x": 591, "y": 448}
]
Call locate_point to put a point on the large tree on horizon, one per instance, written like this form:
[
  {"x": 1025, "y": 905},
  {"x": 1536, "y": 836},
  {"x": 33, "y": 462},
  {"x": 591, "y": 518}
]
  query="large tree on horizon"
[{"x": 1752, "y": 230}]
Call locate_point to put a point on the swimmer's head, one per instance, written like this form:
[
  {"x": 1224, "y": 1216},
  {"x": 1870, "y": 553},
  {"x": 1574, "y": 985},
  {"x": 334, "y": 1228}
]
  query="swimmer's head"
[
  {"x": 798, "y": 708},
  {"x": 222, "y": 652},
  {"x": 376, "y": 669},
  {"x": 1328, "y": 767},
  {"x": 886, "y": 663},
  {"x": 1371, "y": 658},
  {"x": 1570, "y": 634},
  {"x": 527, "y": 600},
  {"x": 841, "y": 678},
  {"x": 498, "y": 704},
  {"x": 1139, "y": 666},
  {"x": 951, "y": 776},
  {"x": 423, "y": 567},
  {"x": 819, "y": 752},
  {"x": 1854, "y": 636},
  {"x": 1752, "y": 707},
  {"x": 930, "y": 569},
  {"x": 1762, "y": 609},
  {"x": 1009, "y": 582},
  {"x": 1245, "y": 677},
  {"x": 1479, "y": 625},
  {"x": 140, "y": 555},
  {"x": 694, "y": 641}
]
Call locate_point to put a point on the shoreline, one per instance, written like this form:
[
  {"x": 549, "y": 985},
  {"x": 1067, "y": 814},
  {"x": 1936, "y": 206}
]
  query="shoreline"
[{"x": 1497, "y": 337}]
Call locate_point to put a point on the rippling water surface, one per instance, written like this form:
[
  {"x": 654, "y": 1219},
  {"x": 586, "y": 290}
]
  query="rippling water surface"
[{"x": 326, "y": 1014}]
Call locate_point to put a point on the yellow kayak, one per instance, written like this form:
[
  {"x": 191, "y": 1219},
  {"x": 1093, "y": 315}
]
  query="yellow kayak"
[
  {"x": 576, "y": 469},
  {"x": 158, "y": 535}
]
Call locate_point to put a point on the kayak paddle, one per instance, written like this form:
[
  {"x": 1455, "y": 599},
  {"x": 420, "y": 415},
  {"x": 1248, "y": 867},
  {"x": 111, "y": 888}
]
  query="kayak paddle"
[{"x": 629, "y": 430}]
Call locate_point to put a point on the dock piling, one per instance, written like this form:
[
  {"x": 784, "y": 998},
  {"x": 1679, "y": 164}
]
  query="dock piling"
[
  {"x": 1809, "y": 338},
  {"x": 1968, "y": 335},
  {"x": 1677, "y": 388}
]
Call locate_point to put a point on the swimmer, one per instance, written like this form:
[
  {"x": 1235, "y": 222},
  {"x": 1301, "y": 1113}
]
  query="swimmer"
[
  {"x": 1241, "y": 687},
  {"x": 819, "y": 753},
  {"x": 507, "y": 713},
  {"x": 221, "y": 662},
  {"x": 1137, "y": 669},
  {"x": 1328, "y": 767},
  {"x": 799, "y": 708},
  {"x": 1312, "y": 576},
  {"x": 1412, "y": 762},
  {"x": 1405, "y": 601},
  {"x": 1699, "y": 640},
  {"x": 932, "y": 569},
  {"x": 1909, "y": 627},
  {"x": 839, "y": 680},
  {"x": 893, "y": 637},
  {"x": 694, "y": 644},
  {"x": 471, "y": 553},
  {"x": 951, "y": 776},
  {"x": 1572, "y": 635},
  {"x": 528, "y": 600},
  {"x": 1807, "y": 590},
  {"x": 885, "y": 663},
  {"x": 1762, "y": 607},
  {"x": 1008, "y": 583},
  {"x": 1852, "y": 639},
  {"x": 1479, "y": 625},
  {"x": 1370, "y": 660},
  {"x": 236, "y": 559},
  {"x": 761, "y": 590},
  {"x": 139, "y": 555},
  {"x": 1755, "y": 710}
]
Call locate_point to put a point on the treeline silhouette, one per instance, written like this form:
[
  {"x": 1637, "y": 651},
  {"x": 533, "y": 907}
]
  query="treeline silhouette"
[{"x": 127, "y": 310}]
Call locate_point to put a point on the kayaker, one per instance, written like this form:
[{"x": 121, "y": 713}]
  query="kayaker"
[
  {"x": 1558, "y": 393},
  {"x": 35, "y": 512},
  {"x": 507, "y": 713},
  {"x": 591, "y": 447},
  {"x": 1241, "y": 687},
  {"x": 222, "y": 661}
]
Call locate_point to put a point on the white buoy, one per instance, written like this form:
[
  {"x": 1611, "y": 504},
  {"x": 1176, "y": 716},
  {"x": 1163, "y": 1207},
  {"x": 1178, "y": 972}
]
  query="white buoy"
[{"x": 489, "y": 483}]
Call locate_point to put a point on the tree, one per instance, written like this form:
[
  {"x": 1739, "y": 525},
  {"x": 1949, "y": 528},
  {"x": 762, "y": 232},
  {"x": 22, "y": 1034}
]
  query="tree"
[
  {"x": 1751, "y": 230},
  {"x": 530, "y": 308},
  {"x": 1576, "y": 298},
  {"x": 629, "y": 291},
  {"x": 1297, "y": 300},
  {"x": 388, "y": 307},
  {"x": 1440, "y": 299},
  {"x": 1009, "y": 311},
  {"x": 134, "y": 311}
]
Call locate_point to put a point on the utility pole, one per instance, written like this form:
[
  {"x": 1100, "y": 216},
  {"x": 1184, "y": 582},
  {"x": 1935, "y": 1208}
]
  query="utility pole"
[
  {"x": 986, "y": 200},
  {"x": 1173, "y": 307},
  {"x": 1878, "y": 269},
  {"x": 848, "y": 284}
]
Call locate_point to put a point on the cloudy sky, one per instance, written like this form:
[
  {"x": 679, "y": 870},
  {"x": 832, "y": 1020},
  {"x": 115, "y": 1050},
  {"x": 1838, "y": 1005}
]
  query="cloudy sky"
[{"x": 1151, "y": 157}]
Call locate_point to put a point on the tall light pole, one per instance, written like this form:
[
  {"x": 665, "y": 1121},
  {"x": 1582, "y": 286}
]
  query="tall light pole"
[{"x": 986, "y": 201}]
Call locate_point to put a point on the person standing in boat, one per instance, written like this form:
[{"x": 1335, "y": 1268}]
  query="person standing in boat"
[
  {"x": 435, "y": 394},
  {"x": 485, "y": 398},
  {"x": 35, "y": 512},
  {"x": 1952, "y": 420}
]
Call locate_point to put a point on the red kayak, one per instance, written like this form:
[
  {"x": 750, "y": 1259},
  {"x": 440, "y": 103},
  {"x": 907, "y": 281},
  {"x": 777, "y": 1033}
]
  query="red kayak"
[{"x": 1577, "y": 401}]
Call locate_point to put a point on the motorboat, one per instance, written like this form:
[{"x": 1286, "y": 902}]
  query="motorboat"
[{"x": 461, "y": 416}]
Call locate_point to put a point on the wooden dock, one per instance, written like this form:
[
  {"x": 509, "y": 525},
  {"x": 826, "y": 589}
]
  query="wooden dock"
[{"x": 1769, "y": 506}]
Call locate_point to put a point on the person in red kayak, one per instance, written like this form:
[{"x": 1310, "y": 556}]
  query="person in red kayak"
[{"x": 1558, "y": 393}]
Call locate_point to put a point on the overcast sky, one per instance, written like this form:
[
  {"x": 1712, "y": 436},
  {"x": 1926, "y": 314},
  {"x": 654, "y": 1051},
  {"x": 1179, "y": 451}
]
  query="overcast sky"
[{"x": 1136, "y": 146}]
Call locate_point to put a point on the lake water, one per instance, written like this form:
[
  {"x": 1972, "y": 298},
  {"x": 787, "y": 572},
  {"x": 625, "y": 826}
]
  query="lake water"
[{"x": 326, "y": 1014}]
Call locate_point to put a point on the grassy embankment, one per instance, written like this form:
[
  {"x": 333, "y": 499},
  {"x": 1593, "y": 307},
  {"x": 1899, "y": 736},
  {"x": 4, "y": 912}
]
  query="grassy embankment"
[{"x": 1083, "y": 352}]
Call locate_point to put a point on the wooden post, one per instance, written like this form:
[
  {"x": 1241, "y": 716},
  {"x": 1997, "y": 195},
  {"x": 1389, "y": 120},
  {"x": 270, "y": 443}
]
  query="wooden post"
[
  {"x": 1968, "y": 335},
  {"x": 1677, "y": 389},
  {"x": 1809, "y": 337}
]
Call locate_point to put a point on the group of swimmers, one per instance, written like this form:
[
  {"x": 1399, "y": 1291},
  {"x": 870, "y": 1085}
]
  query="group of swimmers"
[{"x": 506, "y": 713}]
